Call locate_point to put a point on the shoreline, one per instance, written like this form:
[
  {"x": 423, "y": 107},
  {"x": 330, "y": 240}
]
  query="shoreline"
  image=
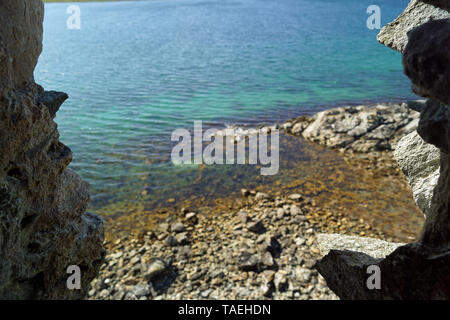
[
  {"x": 252, "y": 245},
  {"x": 98, "y": 200},
  {"x": 266, "y": 117},
  {"x": 263, "y": 248},
  {"x": 232, "y": 233},
  {"x": 377, "y": 166}
]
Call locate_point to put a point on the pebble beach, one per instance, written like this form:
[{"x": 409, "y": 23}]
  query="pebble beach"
[{"x": 260, "y": 245}]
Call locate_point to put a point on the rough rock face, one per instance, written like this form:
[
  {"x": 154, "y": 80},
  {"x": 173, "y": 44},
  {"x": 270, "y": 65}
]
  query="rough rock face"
[
  {"x": 444, "y": 4},
  {"x": 434, "y": 128},
  {"x": 427, "y": 65},
  {"x": 19, "y": 57},
  {"x": 419, "y": 162},
  {"x": 394, "y": 35},
  {"x": 43, "y": 224},
  {"x": 418, "y": 270},
  {"x": 434, "y": 124}
]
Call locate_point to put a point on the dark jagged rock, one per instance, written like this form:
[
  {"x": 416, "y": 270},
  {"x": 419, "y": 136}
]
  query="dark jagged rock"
[
  {"x": 415, "y": 105},
  {"x": 52, "y": 100},
  {"x": 427, "y": 63},
  {"x": 426, "y": 60},
  {"x": 44, "y": 228},
  {"x": 434, "y": 125},
  {"x": 411, "y": 272},
  {"x": 436, "y": 231},
  {"x": 444, "y": 4}
]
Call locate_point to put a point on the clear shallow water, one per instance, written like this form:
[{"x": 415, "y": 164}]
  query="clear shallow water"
[{"x": 138, "y": 70}]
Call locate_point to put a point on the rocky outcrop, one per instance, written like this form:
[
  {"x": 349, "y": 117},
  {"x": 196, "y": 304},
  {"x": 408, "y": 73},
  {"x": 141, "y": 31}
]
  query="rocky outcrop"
[
  {"x": 418, "y": 270},
  {"x": 419, "y": 162},
  {"x": 364, "y": 130},
  {"x": 434, "y": 124},
  {"x": 361, "y": 129},
  {"x": 434, "y": 128},
  {"x": 43, "y": 225},
  {"x": 411, "y": 272},
  {"x": 394, "y": 34}
]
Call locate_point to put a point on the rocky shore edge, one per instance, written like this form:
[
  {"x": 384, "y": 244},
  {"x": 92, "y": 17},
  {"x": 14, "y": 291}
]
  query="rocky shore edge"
[
  {"x": 267, "y": 248},
  {"x": 370, "y": 129}
]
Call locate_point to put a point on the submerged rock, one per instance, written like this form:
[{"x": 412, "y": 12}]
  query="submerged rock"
[
  {"x": 177, "y": 227},
  {"x": 249, "y": 262},
  {"x": 256, "y": 227}
]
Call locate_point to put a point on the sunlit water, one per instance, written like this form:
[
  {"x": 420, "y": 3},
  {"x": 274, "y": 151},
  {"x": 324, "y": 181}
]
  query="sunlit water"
[{"x": 136, "y": 71}]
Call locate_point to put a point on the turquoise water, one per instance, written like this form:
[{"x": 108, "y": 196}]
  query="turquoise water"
[{"x": 136, "y": 71}]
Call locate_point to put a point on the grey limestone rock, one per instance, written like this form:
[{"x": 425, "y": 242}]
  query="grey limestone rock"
[
  {"x": 373, "y": 247},
  {"x": 394, "y": 34},
  {"x": 420, "y": 162}
]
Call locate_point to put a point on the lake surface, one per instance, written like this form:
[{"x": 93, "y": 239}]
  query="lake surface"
[{"x": 136, "y": 71}]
